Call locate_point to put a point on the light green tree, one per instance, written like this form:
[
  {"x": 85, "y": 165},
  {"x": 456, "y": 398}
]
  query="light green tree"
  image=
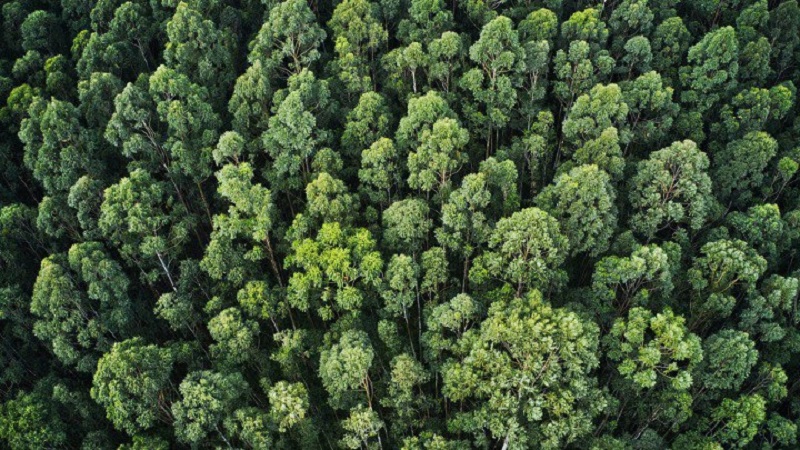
[
  {"x": 524, "y": 377},
  {"x": 206, "y": 399}
]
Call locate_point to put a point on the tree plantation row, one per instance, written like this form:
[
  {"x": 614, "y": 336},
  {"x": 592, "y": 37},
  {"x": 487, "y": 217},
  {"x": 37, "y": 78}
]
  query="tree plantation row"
[{"x": 399, "y": 224}]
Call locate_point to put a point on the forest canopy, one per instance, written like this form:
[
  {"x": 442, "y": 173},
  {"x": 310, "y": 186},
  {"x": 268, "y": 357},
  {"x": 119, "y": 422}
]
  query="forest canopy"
[{"x": 399, "y": 224}]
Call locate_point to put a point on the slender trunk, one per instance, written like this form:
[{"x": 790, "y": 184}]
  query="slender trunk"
[
  {"x": 408, "y": 330},
  {"x": 273, "y": 262},
  {"x": 205, "y": 203},
  {"x": 180, "y": 197},
  {"x": 140, "y": 47},
  {"x": 489, "y": 141},
  {"x": 419, "y": 322},
  {"x": 464, "y": 275},
  {"x": 166, "y": 271},
  {"x": 367, "y": 390},
  {"x": 223, "y": 437}
]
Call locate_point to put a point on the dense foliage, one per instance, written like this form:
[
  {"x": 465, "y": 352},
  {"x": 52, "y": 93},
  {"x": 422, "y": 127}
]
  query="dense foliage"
[{"x": 399, "y": 224}]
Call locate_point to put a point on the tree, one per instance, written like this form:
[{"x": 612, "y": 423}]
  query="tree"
[
  {"x": 245, "y": 230},
  {"x": 288, "y": 404},
  {"x": 768, "y": 316},
  {"x": 28, "y": 420},
  {"x": 711, "y": 73},
  {"x": 527, "y": 250},
  {"x": 670, "y": 42},
  {"x": 96, "y": 96},
  {"x": 58, "y": 151},
  {"x": 488, "y": 375},
  {"x": 638, "y": 56},
  {"x": 755, "y": 48},
  {"x": 592, "y": 113},
  {"x": 332, "y": 270},
  {"x": 439, "y": 156},
  {"x": 294, "y": 136},
  {"x": 465, "y": 227},
  {"x": 405, "y": 392},
  {"x": 289, "y": 40},
  {"x": 361, "y": 427},
  {"x": 121, "y": 40},
  {"x": 604, "y": 152},
  {"x": 402, "y": 289},
  {"x": 654, "y": 349},
  {"x": 56, "y": 148},
  {"x": 344, "y": 369},
  {"x": 358, "y": 36},
  {"x": 21, "y": 247},
  {"x": 368, "y": 122},
  {"x": 670, "y": 189},
  {"x": 406, "y": 224},
  {"x": 729, "y": 357},
  {"x": 132, "y": 383},
  {"x": 630, "y": 18},
  {"x": 250, "y": 426},
  {"x": 191, "y": 123},
  {"x": 752, "y": 110},
  {"x": 586, "y": 26},
  {"x": 427, "y": 20},
  {"x": 145, "y": 223},
  {"x": 182, "y": 308},
  {"x": 200, "y": 50},
  {"x": 423, "y": 112},
  {"x": 727, "y": 271},
  {"x": 167, "y": 124},
  {"x": 41, "y": 31},
  {"x": 577, "y": 71},
  {"x": 651, "y": 111},
  {"x": 328, "y": 200},
  {"x": 81, "y": 303},
  {"x": 655, "y": 355},
  {"x": 583, "y": 203},
  {"x": 250, "y": 104},
  {"x": 619, "y": 283},
  {"x": 446, "y": 325},
  {"x": 736, "y": 422},
  {"x": 537, "y": 33},
  {"x": 380, "y": 173},
  {"x": 445, "y": 55},
  {"x": 783, "y": 33},
  {"x": 739, "y": 168},
  {"x": 236, "y": 338},
  {"x": 501, "y": 59},
  {"x": 206, "y": 399},
  {"x": 763, "y": 228},
  {"x": 404, "y": 63},
  {"x": 501, "y": 177}
]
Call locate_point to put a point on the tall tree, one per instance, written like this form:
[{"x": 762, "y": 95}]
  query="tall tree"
[
  {"x": 81, "y": 303},
  {"x": 521, "y": 336},
  {"x": 358, "y": 37},
  {"x": 132, "y": 383},
  {"x": 670, "y": 189},
  {"x": 527, "y": 250},
  {"x": 583, "y": 203},
  {"x": 501, "y": 63}
]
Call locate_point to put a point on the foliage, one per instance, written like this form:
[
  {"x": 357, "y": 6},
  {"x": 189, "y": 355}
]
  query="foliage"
[{"x": 399, "y": 224}]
